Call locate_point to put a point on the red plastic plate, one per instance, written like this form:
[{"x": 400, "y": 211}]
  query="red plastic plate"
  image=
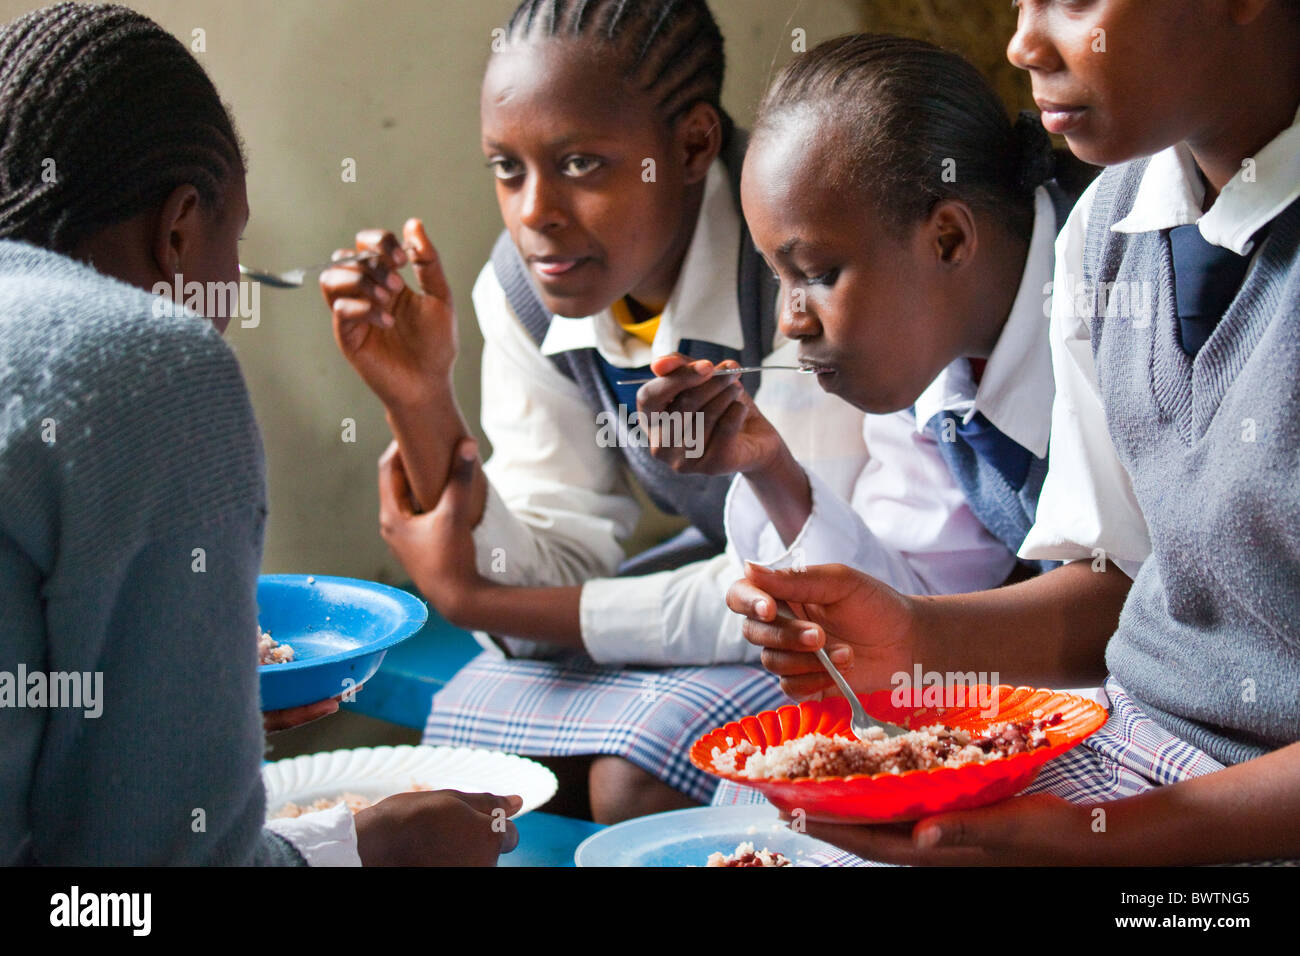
[{"x": 892, "y": 798}]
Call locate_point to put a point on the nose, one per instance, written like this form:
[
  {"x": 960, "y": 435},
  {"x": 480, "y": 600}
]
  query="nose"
[
  {"x": 1029, "y": 48},
  {"x": 541, "y": 208},
  {"x": 796, "y": 321}
]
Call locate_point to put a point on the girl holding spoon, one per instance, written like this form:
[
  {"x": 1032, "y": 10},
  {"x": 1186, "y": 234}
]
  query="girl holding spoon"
[{"x": 573, "y": 303}]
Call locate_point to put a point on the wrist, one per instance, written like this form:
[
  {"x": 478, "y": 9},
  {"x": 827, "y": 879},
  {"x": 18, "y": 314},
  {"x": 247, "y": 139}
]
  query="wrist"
[
  {"x": 783, "y": 490},
  {"x": 434, "y": 393}
]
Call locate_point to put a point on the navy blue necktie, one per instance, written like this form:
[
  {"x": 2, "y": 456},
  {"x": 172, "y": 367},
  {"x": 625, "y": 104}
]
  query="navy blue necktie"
[
  {"x": 1206, "y": 279},
  {"x": 1010, "y": 459}
]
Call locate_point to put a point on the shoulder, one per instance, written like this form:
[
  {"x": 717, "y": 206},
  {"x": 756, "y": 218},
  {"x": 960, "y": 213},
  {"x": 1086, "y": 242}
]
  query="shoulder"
[{"x": 128, "y": 396}]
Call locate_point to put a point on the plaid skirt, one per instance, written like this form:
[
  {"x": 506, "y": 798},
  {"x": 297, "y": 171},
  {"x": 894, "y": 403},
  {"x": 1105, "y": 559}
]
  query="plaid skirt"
[
  {"x": 1127, "y": 755},
  {"x": 571, "y": 705}
]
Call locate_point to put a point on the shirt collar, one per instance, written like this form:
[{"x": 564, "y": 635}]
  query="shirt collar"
[
  {"x": 1015, "y": 392},
  {"x": 1171, "y": 193},
  {"x": 702, "y": 306}
]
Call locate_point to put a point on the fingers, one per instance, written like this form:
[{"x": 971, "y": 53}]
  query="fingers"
[
  {"x": 365, "y": 291},
  {"x": 457, "y": 493},
  {"x": 424, "y": 257},
  {"x": 274, "y": 721},
  {"x": 394, "y": 490},
  {"x": 821, "y": 584},
  {"x": 745, "y": 597},
  {"x": 667, "y": 364},
  {"x": 492, "y": 806},
  {"x": 668, "y": 388}
]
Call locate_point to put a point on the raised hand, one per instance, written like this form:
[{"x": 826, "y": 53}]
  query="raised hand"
[{"x": 402, "y": 342}]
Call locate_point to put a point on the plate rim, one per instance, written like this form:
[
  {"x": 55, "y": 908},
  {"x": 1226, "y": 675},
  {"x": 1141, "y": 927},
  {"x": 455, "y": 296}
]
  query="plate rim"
[
  {"x": 409, "y": 628},
  {"x": 546, "y": 772},
  {"x": 753, "y": 807}
]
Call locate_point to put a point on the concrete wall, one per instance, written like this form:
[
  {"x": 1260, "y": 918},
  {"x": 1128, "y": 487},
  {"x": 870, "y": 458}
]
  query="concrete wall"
[{"x": 394, "y": 86}]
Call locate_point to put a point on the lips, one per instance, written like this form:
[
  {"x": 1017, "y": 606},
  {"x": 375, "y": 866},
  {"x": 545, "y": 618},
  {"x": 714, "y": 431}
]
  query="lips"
[
  {"x": 1060, "y": 117},
  {"x": 821, "y": 368},
  {"x": 553, "y": 267}
]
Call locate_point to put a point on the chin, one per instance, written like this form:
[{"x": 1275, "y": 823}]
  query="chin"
[{"x": 574, "y": 306}]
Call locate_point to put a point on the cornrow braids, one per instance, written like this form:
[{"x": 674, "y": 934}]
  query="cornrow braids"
[
  {"x": 919, "y": 125},
  {"x": 102, "y": 114},
  {"x": 671, "y": 49}
]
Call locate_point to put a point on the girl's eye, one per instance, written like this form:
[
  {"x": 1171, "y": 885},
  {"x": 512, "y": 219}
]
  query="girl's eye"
[
  {"x": 580, "y": 165},
  {"x": 505, "y": 168},
  {"x": 826, "y": 278}
]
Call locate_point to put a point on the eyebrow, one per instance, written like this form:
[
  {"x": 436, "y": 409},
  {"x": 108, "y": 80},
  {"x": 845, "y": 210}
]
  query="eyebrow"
[
  {"x": 557, "y": 144},
  {"x": 797, "y": 242}
]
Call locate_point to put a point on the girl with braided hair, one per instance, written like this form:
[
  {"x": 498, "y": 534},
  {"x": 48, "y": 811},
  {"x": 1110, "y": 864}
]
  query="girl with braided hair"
[
  {"x": 617, "y": 175},
  {"x": 128, "y": 449}
]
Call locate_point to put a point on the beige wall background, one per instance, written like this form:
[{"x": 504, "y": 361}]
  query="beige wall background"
[{"x": 394, "y": 86}]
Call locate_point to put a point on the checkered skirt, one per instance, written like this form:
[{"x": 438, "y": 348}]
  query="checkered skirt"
[
  {"x": 1127, "y": 755},
  {"x": 570, "y": 705}
]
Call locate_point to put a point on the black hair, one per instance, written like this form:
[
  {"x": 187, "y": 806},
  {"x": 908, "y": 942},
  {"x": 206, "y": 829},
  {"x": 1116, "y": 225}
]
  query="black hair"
[
  {"x": 905, "y": 113},
  {"x": 102, "y": 114},
  {"x": 671, "y": 49}
]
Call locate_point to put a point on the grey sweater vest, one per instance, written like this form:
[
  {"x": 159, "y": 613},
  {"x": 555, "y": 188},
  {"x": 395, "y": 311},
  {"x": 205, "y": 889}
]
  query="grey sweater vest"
[
  {"x": 1208, "y": 642},
  {"x": 699, "y": 497}
]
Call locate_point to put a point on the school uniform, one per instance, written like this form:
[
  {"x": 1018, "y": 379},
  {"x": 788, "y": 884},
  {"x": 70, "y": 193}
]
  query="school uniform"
[
  {"x": 1174, "y": 449},
  {"x": 917, "y": 483},
  {"x": 559, "y": 504}
]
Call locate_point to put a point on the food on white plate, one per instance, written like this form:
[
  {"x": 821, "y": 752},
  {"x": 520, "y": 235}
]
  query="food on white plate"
[{"x": 355, "y": 803}]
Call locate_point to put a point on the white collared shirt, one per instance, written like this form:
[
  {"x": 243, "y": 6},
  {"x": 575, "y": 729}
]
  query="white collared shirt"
[
  {"x": 1087, "y": 508},
  {"x": 906, "y": 522},
  {"x": 558, "y": 505}
]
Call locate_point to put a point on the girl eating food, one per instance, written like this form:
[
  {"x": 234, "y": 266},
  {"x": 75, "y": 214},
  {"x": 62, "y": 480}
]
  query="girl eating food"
[
  {"x": 1171, "y": 491},
  {"x": 918, "y": 295},
  {"x": 617, "y": 177}
]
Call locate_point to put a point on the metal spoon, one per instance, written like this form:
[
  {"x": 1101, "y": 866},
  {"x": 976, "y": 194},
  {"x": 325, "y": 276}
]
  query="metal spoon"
[
  {"x": 805, "y": 369},
  {"x": 294, "y": 278},
  {"x": 861, "y": 722}
]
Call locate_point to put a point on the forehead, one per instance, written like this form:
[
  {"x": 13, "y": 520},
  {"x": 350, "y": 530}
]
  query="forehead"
[
  {"x": 555, "y": 85},
  {"x": 795, "y": 179}
]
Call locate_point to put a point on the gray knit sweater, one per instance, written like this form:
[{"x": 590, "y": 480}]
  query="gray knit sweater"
[
  {"x": 1209, "y": 639},
  {"x": 127, "y": 443}
]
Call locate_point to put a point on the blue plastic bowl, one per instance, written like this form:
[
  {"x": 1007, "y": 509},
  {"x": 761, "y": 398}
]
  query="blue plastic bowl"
[{"x": 340, "y": 629}]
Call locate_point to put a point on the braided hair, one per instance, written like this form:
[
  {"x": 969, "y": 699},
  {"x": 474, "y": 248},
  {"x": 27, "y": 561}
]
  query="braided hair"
[
  {"x": 908, "y": 112},
  {"x": 102, "y": 114},
  {"x": 671, "y": 49}
]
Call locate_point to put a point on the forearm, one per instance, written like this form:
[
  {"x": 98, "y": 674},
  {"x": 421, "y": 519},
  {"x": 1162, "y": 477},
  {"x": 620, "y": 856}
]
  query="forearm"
[
  {"x": 427, "y": 433},
  {"x": 1048, "y": 631},
  {"x": 551, "y": 615},
  {"x": 1250, "y": 811},
  {"x": 782, "y": 488}
]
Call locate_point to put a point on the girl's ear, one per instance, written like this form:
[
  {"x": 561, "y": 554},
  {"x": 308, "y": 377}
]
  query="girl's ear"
[
  {"x": 951, "y": 231},
  {"x": 699, "y": 140},
  {"x": 176, "y": 230}
]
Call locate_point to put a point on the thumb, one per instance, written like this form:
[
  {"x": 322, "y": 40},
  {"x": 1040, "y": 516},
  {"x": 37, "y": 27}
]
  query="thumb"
[
  {"x": 820, "y": 584},
  {"x": 667, "y": 364},
  {"x": 967, "y": 828},
  {"x": 425, "y": 261},
  {"x": 457, "y": 493}
]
